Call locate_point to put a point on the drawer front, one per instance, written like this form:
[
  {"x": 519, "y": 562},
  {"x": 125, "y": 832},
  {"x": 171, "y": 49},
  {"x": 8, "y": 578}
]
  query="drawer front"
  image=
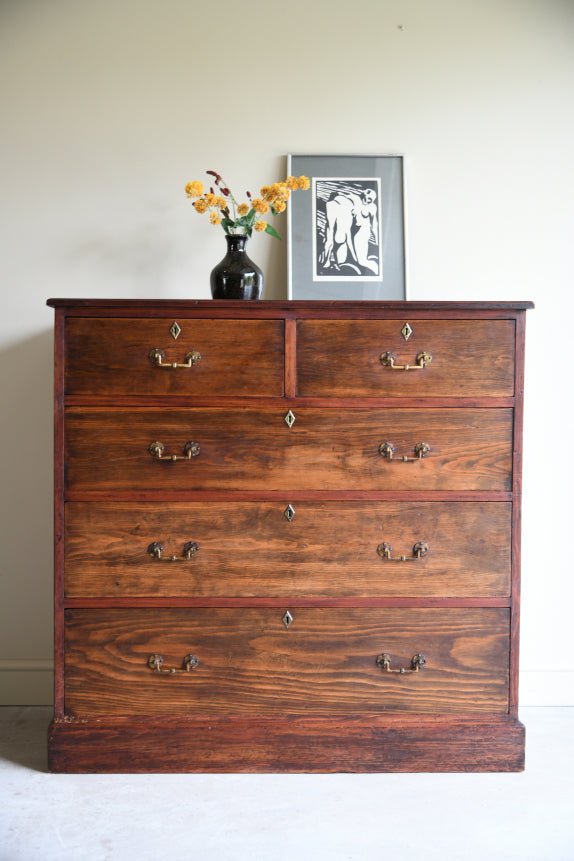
[
  {"x": 342, "y": 358},
  {"x": 236, "y": 357},
  {"x": 109, "y": 449},
  {"x": 250, "y": 663},
  {"x": 245, "y": 549}
]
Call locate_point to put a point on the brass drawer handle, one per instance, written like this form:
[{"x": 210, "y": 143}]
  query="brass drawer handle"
[
  {"x": 157, "y": 356},
  {"x": 417, "y": 661},
  {"x": 387, "y": 449},
  {"x": 420, "y": 549},
  {"x": 388, "y": 361},
  {"x": 155, "y": 662},
  {"x": 189, "y": 550},
  {"x": 190, "y": 449}
]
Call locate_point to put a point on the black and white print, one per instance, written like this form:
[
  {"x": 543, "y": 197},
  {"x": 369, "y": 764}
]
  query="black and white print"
[{"x": 347, "y": 218}]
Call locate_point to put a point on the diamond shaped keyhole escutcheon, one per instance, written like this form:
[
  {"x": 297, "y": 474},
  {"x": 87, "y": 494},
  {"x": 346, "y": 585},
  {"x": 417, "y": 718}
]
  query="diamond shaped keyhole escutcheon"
[
  {"x": 287, "y": 618},
  {"x": 175, "y": 329},
  {"x": 406, "y": 331}
]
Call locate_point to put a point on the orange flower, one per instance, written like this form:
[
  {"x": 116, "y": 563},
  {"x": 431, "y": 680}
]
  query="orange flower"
[
  {"x": 279, "y": 206},
  {"x": 242, "y": 209},
  {"x": 201, "y": 205},
  {"x": 292, "y": 182},
  {"x": 214, "y": 218},
  {"x": 194, "y": 189},
  {"x": 260, "y": 206},
  {"x": 303, "y": 183},
  {"x": 260, "y": 226},
  {"x": 283, "y": 192}
]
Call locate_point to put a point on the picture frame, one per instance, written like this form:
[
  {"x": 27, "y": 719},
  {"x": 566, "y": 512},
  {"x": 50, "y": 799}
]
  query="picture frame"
[{"x": 346, "y": 235}]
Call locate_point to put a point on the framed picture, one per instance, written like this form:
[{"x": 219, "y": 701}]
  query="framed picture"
[{"x": 347, "y": 233}]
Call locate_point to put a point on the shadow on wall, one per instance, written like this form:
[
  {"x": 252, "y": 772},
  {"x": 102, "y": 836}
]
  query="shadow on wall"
[{"x": 26, "y": 499}]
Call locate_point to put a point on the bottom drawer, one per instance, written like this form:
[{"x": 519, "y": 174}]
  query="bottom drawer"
[{"x": 327, "y": 661}]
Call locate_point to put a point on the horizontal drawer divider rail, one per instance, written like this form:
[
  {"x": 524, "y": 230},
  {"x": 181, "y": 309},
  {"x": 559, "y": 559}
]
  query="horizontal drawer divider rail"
[
  {"x": 320, "y": 602},
  {"x": 292, "y": 495},
  {"x": 189, "y": 400}
]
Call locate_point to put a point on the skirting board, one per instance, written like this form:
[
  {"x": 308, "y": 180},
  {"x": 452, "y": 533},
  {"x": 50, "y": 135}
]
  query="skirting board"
[
  {"x": 30, "y": 683},
  {"x": 26, "y": 683}
]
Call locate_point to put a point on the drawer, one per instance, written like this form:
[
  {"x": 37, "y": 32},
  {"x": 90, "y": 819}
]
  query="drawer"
[
  {"x": 250, "y": 549},
  {"x": 109, "y": 449},
  {"x": 342, "y": 358},
  {"x": 230, "y": 357},
  {"x": 250, "y": 663}
]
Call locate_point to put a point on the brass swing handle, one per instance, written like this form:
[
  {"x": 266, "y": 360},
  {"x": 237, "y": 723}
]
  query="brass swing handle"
[
  {"x": 157, "y": 356},
  {"x": 417, "y": 661},
  {"x": 189, "y": 550},
  {"x": 155, "y": 662},
  {"x": 387, "y": 449},
  {"x": 420, "y": 549},
  {"x": 388, "y": 361},
  {"x": 190, "y": 449}
]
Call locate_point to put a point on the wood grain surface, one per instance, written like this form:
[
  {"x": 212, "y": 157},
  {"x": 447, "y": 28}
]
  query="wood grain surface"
[
  {"x": 111, "y": 357},
  {"x": 250, "y": 663},
  {"x": 250, "y": 549},
  {"x": 287, "y": 744},
  {"x": 326, "y": 449},
  {"x": 341, "y": 358}
]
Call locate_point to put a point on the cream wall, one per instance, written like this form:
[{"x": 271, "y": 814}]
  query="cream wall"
[{"x": 109, "y": 107}]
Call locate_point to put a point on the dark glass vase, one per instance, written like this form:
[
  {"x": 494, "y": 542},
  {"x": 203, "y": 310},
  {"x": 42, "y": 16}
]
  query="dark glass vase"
[{"x": 236, "y": 276}]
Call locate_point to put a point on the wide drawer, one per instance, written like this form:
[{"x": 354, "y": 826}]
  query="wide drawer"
[
  {"x": 328, "y": 661},
  {"x": 226, "y": 357},
  {"x": 468, "y": 358},
  {"x": 330, "y": 449},
  {"x": 247, "y": 549}
]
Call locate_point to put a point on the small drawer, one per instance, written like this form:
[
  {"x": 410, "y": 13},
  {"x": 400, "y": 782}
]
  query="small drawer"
[
  {"x": 136, "y": 356},
  {"x": 273, "y": 549},
  {"x": 327, "y": 661},
  {"x": 324, "y": 449},
  {"x": 368, "y": 358}
]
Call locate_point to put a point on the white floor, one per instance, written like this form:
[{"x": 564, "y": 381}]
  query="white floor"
[{"x": 472, "y": 817}]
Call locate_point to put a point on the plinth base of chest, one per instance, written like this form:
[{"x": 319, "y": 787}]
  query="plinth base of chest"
[{"x": 265, "y": 745}]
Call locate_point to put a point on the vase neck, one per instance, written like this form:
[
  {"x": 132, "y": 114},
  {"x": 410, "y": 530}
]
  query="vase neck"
[{"x": 236, "y": 241}]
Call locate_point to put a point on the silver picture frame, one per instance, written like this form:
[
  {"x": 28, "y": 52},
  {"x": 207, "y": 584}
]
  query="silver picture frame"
[{"x": 346, "y": 234}]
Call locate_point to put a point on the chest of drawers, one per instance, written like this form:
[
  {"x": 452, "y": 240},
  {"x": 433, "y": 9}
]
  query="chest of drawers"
[{"x": 287, "y": 536}]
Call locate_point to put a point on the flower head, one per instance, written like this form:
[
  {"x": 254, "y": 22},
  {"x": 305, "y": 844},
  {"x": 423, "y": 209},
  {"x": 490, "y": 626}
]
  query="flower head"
[
  {"x": 194, "y": 189},
  {"x": 260, "y": 226},
  {"x": 260, "y": 206},
  {"x": 242, "y": 209},
  {"x": 303, "y": 183}
]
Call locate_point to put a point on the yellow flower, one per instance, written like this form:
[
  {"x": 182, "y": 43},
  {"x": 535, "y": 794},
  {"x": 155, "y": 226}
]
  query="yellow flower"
[
  {"x": 282, "y": 191},
  {"x": 266, "y": 193},
  {"x": 214, "y": 218},
  {"x": 221, "y": 203},
  {"x": 292, "y": 182},
  {"x": 260, "y": 226},
  {"x": 260, "y": 206},
  {"x": 303, "y": 183},
  {"x": 279, "y": 206},
  {"x": 201, "y": 205},
  {"x": 211, "y": 199},
  {"x": 194, "y": 189},
  {"x": 242, "y": 209}
]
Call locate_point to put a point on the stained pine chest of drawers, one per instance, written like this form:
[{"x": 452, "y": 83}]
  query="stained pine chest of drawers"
[{"x": 287, "y": 536}]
